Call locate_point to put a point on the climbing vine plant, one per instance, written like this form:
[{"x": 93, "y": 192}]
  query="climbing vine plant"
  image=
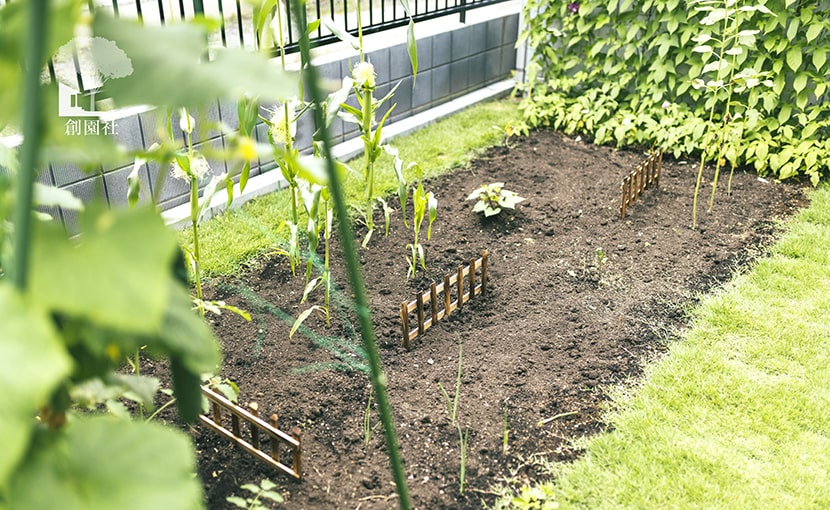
[{"x": 623, "y": 72}]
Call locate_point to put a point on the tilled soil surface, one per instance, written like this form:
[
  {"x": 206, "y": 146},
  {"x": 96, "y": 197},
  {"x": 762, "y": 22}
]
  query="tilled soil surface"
[{"x": 556, "y": 327}]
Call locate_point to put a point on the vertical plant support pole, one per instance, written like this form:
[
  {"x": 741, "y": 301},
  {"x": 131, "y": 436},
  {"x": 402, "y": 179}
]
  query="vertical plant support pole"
[
  {"x": 447, "y": 296},
  {"x": 353, "y": 266},
  {"x": 405, "y": 324},
  {"x": 253, "y": 407},
  {"x": 659, "y": 168},
  {"x": 32, "y": 124},
  {"x": 483, "y": 272},
  {"x": 420, "y": 299},
  {"x": 472, "y": 276},
  {"x": 217, "y": 413},
  {"x": 459, "y": 280},
  {"x": 433, "y": 301},
  {"x": 275, "y": 445},
  {"x": 235, "y": 425},
  {"x": 296, "y": 456}
]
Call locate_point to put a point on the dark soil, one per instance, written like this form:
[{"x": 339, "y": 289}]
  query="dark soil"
[{"x": 554, "y": 330}]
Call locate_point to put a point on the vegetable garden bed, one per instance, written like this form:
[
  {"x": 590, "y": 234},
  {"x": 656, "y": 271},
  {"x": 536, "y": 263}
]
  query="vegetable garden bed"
[{"x": 576, "y": 299}]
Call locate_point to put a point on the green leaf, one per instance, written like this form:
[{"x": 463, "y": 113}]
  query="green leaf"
[
  {"x": 819, "y": 58},
  {"x": 794, "y": 58},
  {"x": 813, "y": 32},
  {"x": 134, "y": 183},
  {"x": 33, "y": 361},
  {"x": 140, "y": 388},
  {"x": 102, "y": 464},
  {"x": 120, "y": 270},
  {"x": 177, "y": 55},
  {"x": 342, "y": 34},
  {"x": 301, "y": 318},
  {"x": 217, "y": 182},
  {"x": 236, "y": 500},
  {"x": 801, "y": 99},
  {"x": 186, "y": 335},
  {"x": 800, "y": 82},
  {"x": 50, "y": 196},
  {"x": 412, "y": 49},
  {"x": 792, "y": 30}
]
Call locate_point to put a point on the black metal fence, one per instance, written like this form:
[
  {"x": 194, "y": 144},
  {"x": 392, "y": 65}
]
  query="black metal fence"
[{"x": 237, "y": 23}]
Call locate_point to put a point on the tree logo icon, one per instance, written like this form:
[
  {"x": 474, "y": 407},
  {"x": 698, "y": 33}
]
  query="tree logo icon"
[{"x": 108, "y": 61}]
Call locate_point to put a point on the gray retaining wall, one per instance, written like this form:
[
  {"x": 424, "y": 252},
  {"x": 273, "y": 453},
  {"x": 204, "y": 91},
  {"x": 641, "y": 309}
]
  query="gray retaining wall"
[{"x": 454, "y": 60}]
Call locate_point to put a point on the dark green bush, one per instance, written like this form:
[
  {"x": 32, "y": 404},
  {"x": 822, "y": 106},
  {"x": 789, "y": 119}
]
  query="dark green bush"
[{"x": 622, "y": 72}]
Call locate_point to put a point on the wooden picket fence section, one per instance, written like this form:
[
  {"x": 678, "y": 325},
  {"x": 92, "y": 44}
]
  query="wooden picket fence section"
[
  {"x": 262, "y": 439},
  {"x": 646, "y": 174},
  {"x": 430, "y": 308}
]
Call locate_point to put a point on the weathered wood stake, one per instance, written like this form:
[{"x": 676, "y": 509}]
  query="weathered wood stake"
[
  {"x": 253, "y": 407},
  {"x": 420, "y": 299},
  {"x": 275, "y": 445},
  {"x": 483, "y": 272},
  {"x": 460, "y": 282},
  {"x": 447, "y": 296},
  {"x": 296, "y": 457},
  {"x": 405, "y": 324}
]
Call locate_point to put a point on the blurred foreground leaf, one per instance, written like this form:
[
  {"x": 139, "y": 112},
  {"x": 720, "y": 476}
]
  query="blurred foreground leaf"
[
  {"x": 32, "y": 363},
  {"x": 117, "y": 275},
  {"x": 170, "y": 67},
  {"x": 104, "y": 463}
]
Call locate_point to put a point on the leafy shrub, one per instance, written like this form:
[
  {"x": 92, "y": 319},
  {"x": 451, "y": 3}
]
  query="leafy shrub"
[
  {"x": 492, "y": 198},
  {"x": 622, "y": 72}
]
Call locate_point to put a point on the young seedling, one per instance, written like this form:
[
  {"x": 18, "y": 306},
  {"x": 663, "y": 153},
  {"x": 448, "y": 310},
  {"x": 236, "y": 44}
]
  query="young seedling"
[
  {"x": 368, "y": 429},
  {"x": 260, "y": 492},
  {"x": 452, "y": 409},
  {"x": 492, "y": 198},
  {"x": 452, "y": 404},
  {"x": 425, "y": 205}
]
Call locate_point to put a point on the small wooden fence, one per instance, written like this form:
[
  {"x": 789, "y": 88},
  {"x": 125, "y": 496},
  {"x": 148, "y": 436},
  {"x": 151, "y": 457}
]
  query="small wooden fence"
[
  {"x": 440, "y": 308},
  {"x": 258, "y": 431},
  {"x": 646, "y": 174}
]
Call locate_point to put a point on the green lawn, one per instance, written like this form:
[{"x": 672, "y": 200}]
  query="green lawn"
[
  {"x": 229, "y": 244},
  {"x": 737, "y": 415}
]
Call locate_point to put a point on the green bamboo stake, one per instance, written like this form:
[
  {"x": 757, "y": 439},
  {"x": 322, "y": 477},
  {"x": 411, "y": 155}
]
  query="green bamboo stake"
[
  {"x": 353, "y": 267},
  {"x": 32, "y": 124}
]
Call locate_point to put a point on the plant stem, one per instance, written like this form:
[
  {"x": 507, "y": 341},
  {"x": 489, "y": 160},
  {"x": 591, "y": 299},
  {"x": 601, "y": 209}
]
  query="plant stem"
[
  {"x": 369, "y": 174},
  {"x": 353, "y": 268},
  {"x": 194, "y": 197},
  {"x": 457, "y": 382},
  {"x": 327, "y": 268},
  {"x": 711, "y": 118},
  {"x": 724, "y": 122},
  {"x": 32, "y": 124},
  {"x": 160, "y": 409}
]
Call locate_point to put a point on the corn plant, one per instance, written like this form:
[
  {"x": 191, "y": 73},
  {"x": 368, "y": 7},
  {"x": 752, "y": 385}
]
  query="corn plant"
[
  {"x": 364, "y": 82},
  {"x": 377, "y": 377},
  {"x": 425, "y": 205},
  {"x": 363, "y": 75}
]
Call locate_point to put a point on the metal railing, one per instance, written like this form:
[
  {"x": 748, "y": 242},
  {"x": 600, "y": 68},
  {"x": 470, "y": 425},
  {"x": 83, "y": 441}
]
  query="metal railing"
[{"x": 236, "y": 23}]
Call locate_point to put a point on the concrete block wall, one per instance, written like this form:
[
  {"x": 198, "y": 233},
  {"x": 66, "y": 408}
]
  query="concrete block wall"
[{"x": 452, "y": 63}]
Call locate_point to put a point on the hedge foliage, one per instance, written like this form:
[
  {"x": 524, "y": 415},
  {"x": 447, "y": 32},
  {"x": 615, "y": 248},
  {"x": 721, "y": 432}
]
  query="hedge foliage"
[{"x": 662, "y": 73}]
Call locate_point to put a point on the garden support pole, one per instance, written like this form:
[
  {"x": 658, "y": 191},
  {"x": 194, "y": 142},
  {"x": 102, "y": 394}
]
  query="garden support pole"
[
  {"x": 32, "y": 124},
  {"x": 352, "y": 265}
]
